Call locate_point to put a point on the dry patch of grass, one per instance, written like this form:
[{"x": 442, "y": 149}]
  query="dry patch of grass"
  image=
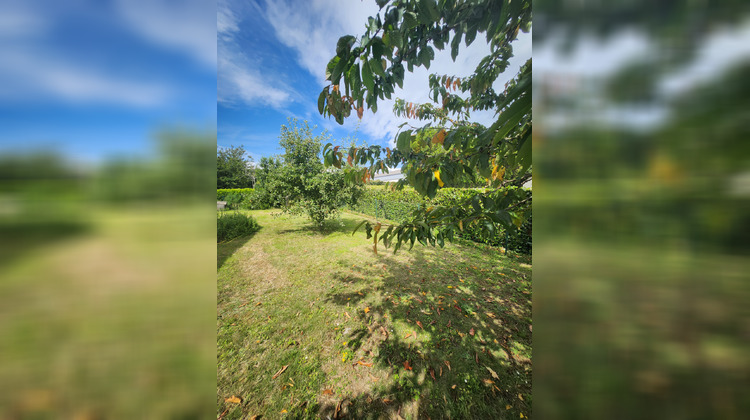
[{"x": 312, "y": 324}]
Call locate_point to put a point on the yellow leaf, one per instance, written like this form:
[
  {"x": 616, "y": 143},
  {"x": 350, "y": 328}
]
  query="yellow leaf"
[
  {"x": 461, "y": 225},
  {"x": 283, "y": 411},
  {"x": 367, "y": 309},
  {"x": 437, "y": 176},
  {"x": 507, "y": 407},
  {"x": 233, "y": 399}
]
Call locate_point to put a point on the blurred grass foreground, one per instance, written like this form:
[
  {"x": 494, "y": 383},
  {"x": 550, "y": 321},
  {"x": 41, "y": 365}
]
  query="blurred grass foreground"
[
  {"x": 642, "y": 210},
  {"x": 107, "y": 284}
]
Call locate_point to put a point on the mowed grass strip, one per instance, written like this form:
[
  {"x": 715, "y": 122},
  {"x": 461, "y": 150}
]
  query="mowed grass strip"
[{"x": 311, "y": 323}]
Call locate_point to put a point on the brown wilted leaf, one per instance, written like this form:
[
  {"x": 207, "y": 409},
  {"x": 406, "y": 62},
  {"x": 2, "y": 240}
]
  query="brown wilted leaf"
[
  {"x": 493, "y": 373},
  {"x": 347, "y": 315},
  {"x": 406, "y": 365},
  {"x": 364, "y": 364},
  {"x": 441, "y": 371},
  {"x": 432, "y": 373},
  {"x": 360, "y": 112},
  {"x": 476, "y": 357},
  {"x": 453, "y": 387},
  {"x": 488, "y": 381},
  {"x": 439, "y": 137},
  {"x": 384, "y": 331},
  {"x": 414, "y": 333},
  {"x": 328, "y": 391},
  {"x": 233, "y": 399},
  {"x": 471, "y": 331},
  {"x": 420, "y": 325},
  {"x": 223, "y": 413},
  {"x": 280, "y": 371},
  {"x": 447, "y": 363}
]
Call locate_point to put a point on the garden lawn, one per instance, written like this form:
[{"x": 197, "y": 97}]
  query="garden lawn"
[{"x": 313, "y": 324}]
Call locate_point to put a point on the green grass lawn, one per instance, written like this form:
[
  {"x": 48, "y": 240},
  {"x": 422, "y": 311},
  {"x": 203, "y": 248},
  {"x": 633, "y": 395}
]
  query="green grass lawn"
[{"x": 313, "y": 324}]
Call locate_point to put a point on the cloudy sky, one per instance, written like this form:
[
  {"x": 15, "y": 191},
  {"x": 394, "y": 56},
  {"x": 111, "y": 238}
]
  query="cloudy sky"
[
  {"x": 95, "y": 79},
  {"x": 271, "y": 63}
]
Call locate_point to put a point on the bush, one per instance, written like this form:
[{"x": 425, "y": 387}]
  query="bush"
[
  {"x": 399, "y": 205},
  {"x": 234, "y": 225},
  {"x": 237, "y": 198}
]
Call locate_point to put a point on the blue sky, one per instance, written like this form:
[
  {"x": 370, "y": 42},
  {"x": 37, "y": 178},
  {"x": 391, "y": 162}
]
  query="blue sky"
[
  {"x": 271, "y": 63},
  {"x": 96, "y": 79}
]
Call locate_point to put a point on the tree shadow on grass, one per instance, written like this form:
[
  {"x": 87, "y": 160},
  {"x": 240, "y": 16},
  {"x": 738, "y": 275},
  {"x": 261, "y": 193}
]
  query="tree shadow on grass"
[
  {"x": 466, "y": 351},
  {"x": 226, "y": 249},
  {"x": 342, "y": 225}
]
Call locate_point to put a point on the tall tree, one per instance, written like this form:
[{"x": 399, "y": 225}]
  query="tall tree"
[
  {"x": 404, "y": 35},
  {"x": 233, "y": 168}
]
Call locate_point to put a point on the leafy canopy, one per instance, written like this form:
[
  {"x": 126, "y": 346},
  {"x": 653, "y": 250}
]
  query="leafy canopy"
[
  {"x": 233, "y": 168},
  {"x": 403, "y": 35}
]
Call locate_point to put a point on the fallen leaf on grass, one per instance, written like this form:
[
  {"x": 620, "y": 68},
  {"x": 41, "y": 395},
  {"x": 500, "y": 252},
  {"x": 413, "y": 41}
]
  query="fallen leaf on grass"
[
  {"x": 420, "y": 325},
  {"x": 364, "y": 364},
  {"x": 493, "y": 373},
  {"x": 432, "y": 373},
  {"x": 447, "y": 363},
  {"x": 441, "y": 371},
  {"x": 367, "y": 309},
  {"x": 520, "y": 397},
  {"x": 476, "y": 357},
  {"x": 406, "y": 365},
  {"x": 233, "y": 399},
  {"x": 453, "y": 387},
  {"x": 328, "y": 391},
  {"x": 347, "y": 315},
  {"x": 385, "y": 333},
  {"x": 280, "y": 371},
  {"x": 471, "y": 331},
  {"x": 414, "y": 333},
  {"x": 462, "y": 335},
  {"x": 223, "y": 413},
  {"x": 258, "y": 304},
  {"x": 283, "y": 411},
  {"x": 488, "y": 381}
]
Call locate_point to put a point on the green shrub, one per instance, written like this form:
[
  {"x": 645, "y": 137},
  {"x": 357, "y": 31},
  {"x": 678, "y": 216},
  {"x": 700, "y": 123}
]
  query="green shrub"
[
  {"x": 237, "y": 198},
  {"x": 234, "y": 225}
]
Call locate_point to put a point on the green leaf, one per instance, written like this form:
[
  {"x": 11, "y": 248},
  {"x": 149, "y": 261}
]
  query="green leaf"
[
  {"x": 454, "y": 45},
  {"x": 377, "y": 67},
  {"x": 510, "y": 118},
  {"x": 358, "y": 226},
  {"x": 367, "y": 77},
  {"x": 426, "y": 55},
  {"x": 428, "y": 8},
  {"x": 410, "y": 19},
  {"x": 322, "y": 100},
  {"x": 393, "y": 39},
  {"x": 403, "y": 142},
  {"x": 344, "y": 45},
  {"x": 331, "y": 65},
  {"x": 336, "y": 73}
]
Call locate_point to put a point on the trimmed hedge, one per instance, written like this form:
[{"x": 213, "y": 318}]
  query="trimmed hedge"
[
  {"x": 234, "y": 225},
  {"x": 398, "y": 206},
  {"x": 236, "y": 198}
]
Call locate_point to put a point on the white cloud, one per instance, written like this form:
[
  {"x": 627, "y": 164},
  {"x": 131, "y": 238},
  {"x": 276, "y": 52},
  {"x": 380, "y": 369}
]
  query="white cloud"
[
  {"x": 189, "y": 26},
  {"x": 241, "y": 83},
  {"x": 242, "y": 80}
]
